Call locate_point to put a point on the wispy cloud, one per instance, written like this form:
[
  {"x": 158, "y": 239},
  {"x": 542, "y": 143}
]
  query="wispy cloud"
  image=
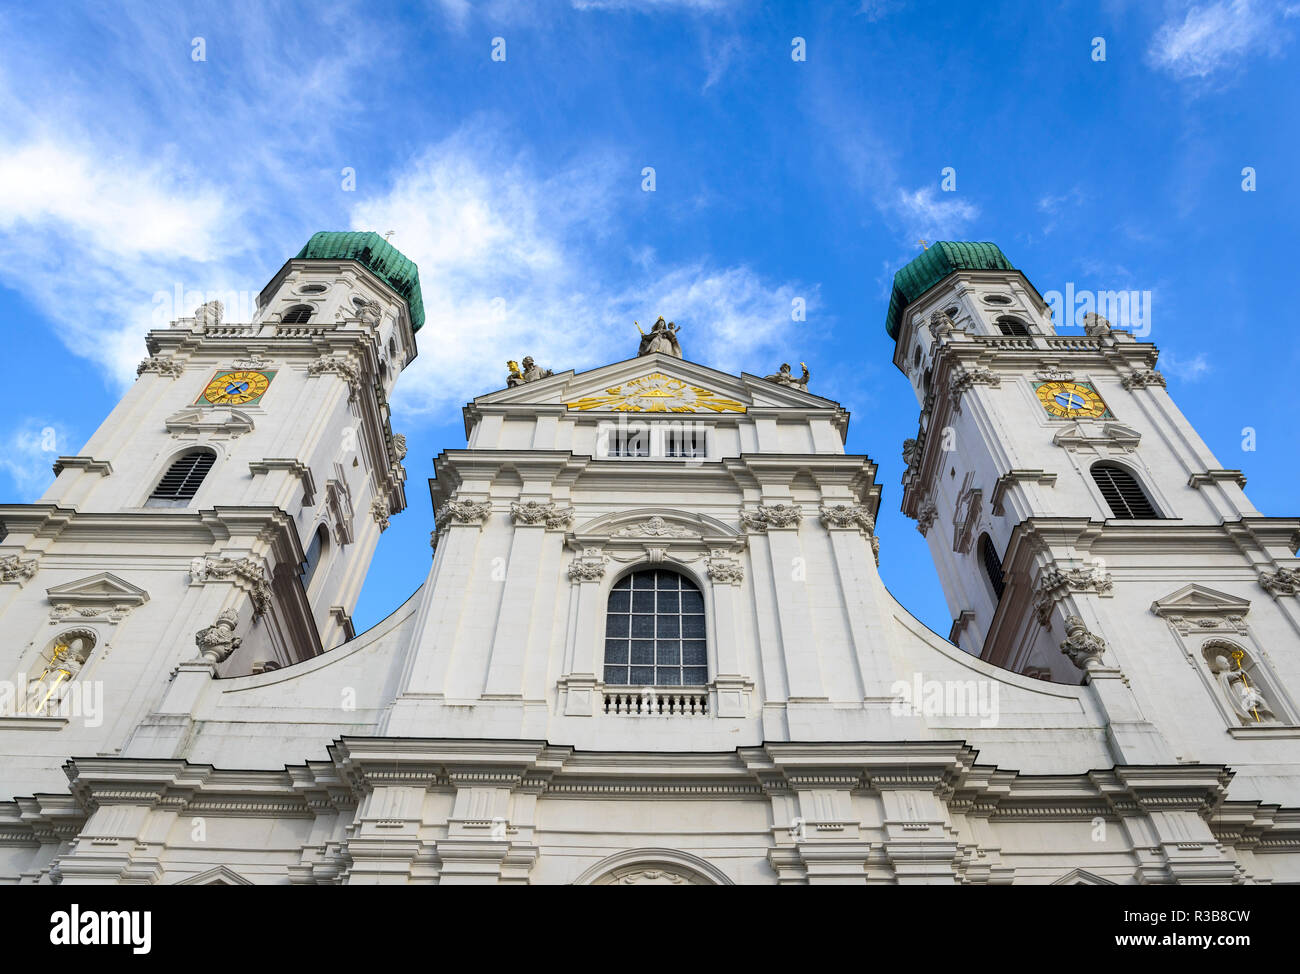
[
  {"x": 1217, "y": 37},
  {"x": 923, "y": 212},
  {"x": 518, "y": 259},
  {"x": 1186, "y": 369}
]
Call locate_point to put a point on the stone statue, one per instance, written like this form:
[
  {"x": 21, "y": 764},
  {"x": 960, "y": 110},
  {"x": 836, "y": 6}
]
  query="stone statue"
[
  {"x": 1249, "y": 703},
  {"x": 1095, "y": 326},
  {"x": 218, "y": 640},
  {"x": 209, "y": 315},
  {"x": 786, "y": 379},
  {"x": 661, "y": 338},
  {"x": 530, "y": 372}
]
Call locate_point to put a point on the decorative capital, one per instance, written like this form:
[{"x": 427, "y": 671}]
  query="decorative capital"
[
  {"x": 161, "y": 365},
  {"x": 925, "y": 516},
  {"x": 723, "y": 569},
  {"x": 588, "y": 566},
  {"x": 1141, "y": 378},
  {"x": 341, "y": 367},
  {"x": 464, "y": 512},
  {"x": 1057, "y": 584},
  {"x": 553, "y": 516},
  {"x": 848, "y": 516},
  {"x": 380, "y": 512},
  {"x": 1084, "y": 648},
  {"x": 772, "y": 516},
  {"x": 245, "y": 573}
]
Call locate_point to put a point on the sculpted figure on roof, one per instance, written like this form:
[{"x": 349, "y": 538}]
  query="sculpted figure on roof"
[{"x": 661, "y": 338}]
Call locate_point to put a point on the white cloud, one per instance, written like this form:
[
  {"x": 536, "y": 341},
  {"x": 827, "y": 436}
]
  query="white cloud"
[
  {"x": 122, "y": 208},
  {"x": 1189, "y": 370},
  {"x": 28, "y": 451},
  {"x": 1214, "y": 37},
  {"x": 515, "y": 261},
  {"x": 925, "y": 214}
]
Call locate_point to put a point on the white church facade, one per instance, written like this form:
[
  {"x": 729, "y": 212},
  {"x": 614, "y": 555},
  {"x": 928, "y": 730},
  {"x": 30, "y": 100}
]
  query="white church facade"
[{"x": 653, "y": 645}]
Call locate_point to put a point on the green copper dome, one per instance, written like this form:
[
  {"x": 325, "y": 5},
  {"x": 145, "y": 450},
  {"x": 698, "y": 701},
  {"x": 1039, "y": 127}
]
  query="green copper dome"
[
  {"x": 932, "y": 266},
  {"x": 377, "y": 254}
]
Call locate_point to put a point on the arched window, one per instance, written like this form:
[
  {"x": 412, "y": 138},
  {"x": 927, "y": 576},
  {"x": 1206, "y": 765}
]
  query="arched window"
[
  {"x": 299, "y": 314},
  {"x": 992, "y": 565},
  {"x": 654, "y": 632},
  {"x": 182, "y": 479},
  {"x": 1123, "y": 493},
  {"x": 1012, "y": 326},
  {"x": 316, "y": 551}
]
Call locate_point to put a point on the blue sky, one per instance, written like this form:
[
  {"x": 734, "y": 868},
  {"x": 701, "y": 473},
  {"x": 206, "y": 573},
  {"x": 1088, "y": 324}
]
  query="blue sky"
[{"x": 128, "y": 168}]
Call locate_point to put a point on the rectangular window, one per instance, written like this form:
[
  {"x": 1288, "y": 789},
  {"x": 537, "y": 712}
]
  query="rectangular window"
[
  {"x": 629, "y": 443},
  {"x": 683, "y": 443}
]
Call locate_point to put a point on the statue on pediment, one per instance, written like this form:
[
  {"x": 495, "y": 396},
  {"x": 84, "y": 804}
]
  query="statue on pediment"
[
  {"x": 785, "y": 378},
  {"x": 661, "y": 338},
  {"x": 529, "y": 373}
]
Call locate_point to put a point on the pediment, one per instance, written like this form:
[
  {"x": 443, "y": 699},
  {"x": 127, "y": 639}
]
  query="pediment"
[
  {"x": 220, "y": 876},
  {"x": 1199, "y": 599},
  {"x": 656, "y": 524},
  {"x": 653, "y": 384},
  {"x": 1081, "y": 877},
  {"x": 98, "y": 590},
  {"x": 220, "y": 420}
]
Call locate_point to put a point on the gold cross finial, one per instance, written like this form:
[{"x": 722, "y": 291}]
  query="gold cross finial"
[
  {"x": 924, "y": 244},
  {"x": 389, "y": 234}
]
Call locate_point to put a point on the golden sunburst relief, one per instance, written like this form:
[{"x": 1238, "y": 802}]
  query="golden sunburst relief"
[{"x": 658, "y": 393}]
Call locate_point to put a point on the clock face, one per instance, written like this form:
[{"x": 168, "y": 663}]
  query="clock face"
[
  {"x": 237, "y": 387},
  {"x": 658, "y": 393},
  {"x": 1071, "y": 400}
]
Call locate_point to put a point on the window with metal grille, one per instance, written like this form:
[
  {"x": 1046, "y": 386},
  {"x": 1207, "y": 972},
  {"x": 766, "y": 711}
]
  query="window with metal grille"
[
  {"x": 683, "y": 443},
  {"x": 992, "y": 565},
  {"x": 299, "y": 314},
  {"x": 654, "y": 632},
  {"x": 1123, "y": 493},
  {"x": 183, "y": 477},
  {"x": 1013, "y": 326}
]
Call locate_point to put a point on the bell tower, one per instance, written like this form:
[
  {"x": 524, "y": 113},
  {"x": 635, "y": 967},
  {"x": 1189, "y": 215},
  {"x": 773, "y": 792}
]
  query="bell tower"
[
  {"x": 237, "y": 490},
  {"x": 1068, "y": 504}
]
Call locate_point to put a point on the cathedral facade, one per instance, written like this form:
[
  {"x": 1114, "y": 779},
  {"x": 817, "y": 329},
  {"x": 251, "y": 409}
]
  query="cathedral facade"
[{"x": 653, "y": 645}]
